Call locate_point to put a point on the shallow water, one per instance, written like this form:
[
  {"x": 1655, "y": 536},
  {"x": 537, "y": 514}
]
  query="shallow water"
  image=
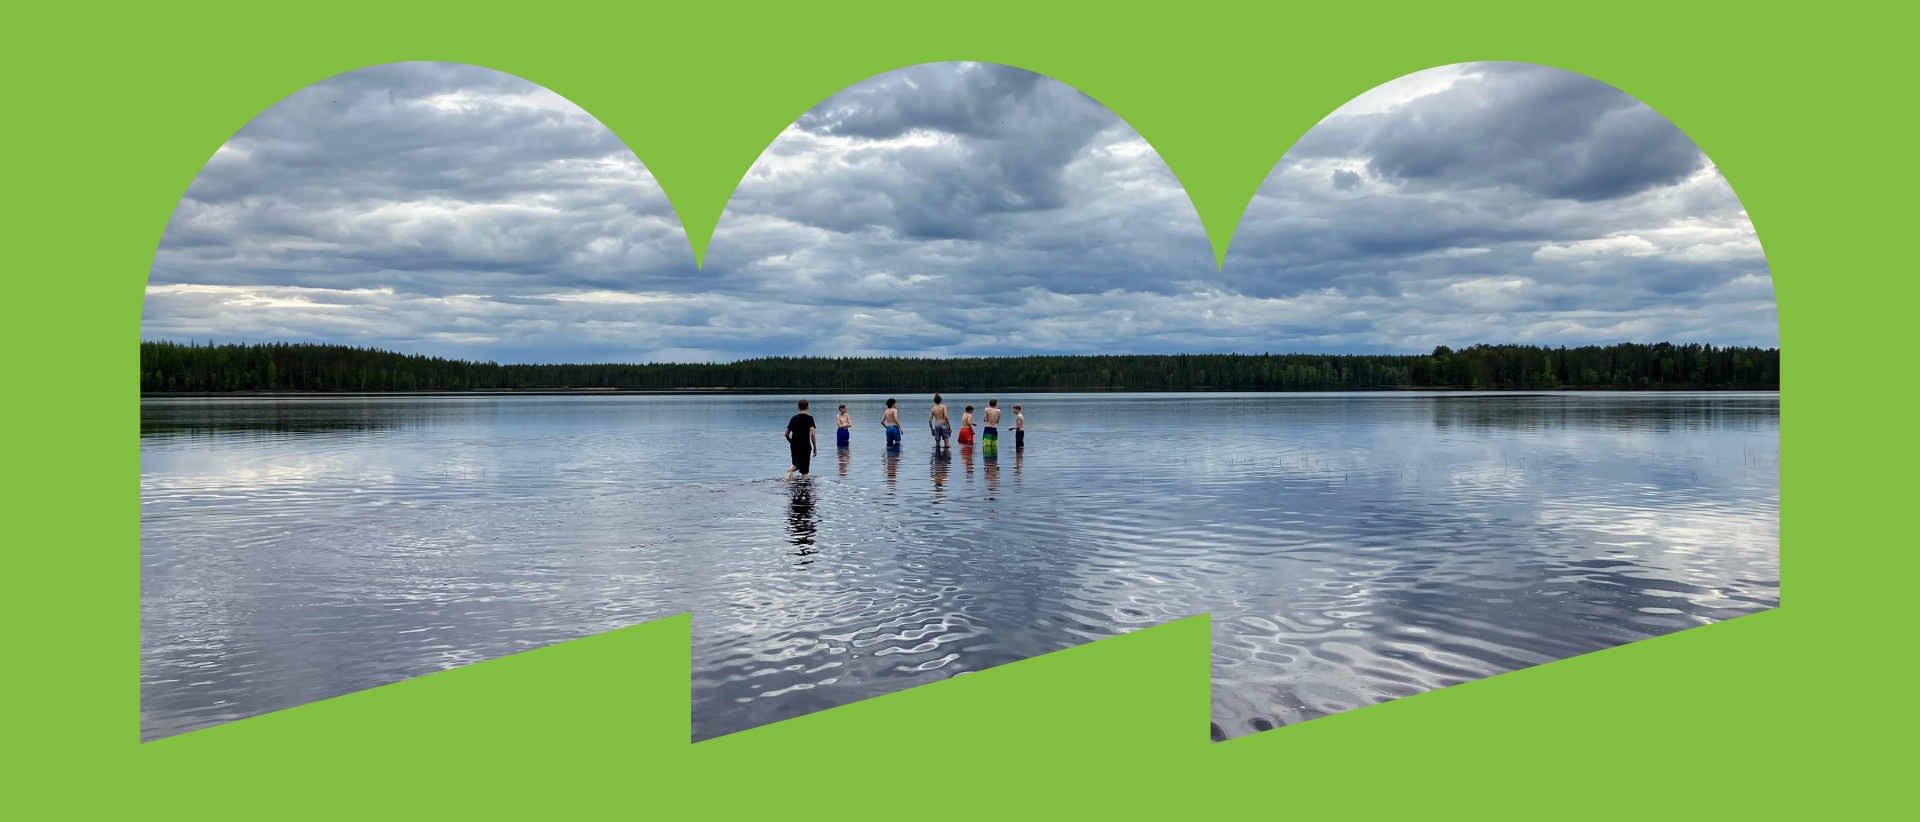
[{"x": 1350, "y": 548}]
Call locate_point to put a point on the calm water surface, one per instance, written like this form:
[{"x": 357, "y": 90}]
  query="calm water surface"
[{"x": 1351, "y": 548}]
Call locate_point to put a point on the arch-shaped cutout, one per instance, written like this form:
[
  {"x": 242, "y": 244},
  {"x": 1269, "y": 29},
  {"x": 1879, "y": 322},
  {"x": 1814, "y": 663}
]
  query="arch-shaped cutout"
[
  {"x": 427, "y": 208},
  {"x": 1571, "y": 226}
]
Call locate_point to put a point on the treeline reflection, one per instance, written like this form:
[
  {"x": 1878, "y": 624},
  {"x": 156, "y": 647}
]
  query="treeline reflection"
[{"x": 1679, "y": 413}]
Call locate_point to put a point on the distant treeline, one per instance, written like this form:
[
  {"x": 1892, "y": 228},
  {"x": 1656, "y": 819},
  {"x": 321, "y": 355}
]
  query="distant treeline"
[{"x": 176, "y": 367}]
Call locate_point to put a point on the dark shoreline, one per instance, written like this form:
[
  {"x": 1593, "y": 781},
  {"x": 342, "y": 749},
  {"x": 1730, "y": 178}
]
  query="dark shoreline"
[
  {"x": 168, "y": 368},
  {"x": 587, "y": 392}
]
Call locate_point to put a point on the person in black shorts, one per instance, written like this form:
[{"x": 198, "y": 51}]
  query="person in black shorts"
[{"x": 801, "y": 442}]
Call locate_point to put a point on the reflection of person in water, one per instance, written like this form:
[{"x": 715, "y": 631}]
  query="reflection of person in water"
[
  {"x": 893, "y": 467},
  {"x": 941, "y": 458},
  {"x": 992, "y": 473},
  {"x": 802, "y": 526}
]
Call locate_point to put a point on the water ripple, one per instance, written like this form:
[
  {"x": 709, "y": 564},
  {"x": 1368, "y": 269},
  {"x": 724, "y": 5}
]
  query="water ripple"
[{"x": 1351, "y": 549}]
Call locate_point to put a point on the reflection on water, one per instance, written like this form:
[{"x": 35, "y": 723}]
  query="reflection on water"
[
  {"x": 1350, "y": 548},
  {"x": 802, "y": 526}
]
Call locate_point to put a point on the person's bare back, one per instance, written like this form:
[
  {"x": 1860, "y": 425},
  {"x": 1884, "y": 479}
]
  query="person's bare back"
[
  {"x": 990, "y": 417},
  {"x": 890, "y": 422},
  {"x": 937, "y": 423}
]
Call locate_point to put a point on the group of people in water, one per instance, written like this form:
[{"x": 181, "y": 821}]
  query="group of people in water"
[{"x": 802, "y": 443}]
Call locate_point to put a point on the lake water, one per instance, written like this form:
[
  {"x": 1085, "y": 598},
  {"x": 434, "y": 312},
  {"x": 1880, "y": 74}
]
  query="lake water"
[{"x": 1351, "y": 548}]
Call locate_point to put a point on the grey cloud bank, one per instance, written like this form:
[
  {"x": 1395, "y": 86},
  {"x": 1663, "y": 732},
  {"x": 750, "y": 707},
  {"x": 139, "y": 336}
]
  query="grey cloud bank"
[
  {"x": 955, "y": 209},
  {"x": 1502, "y": 203}
]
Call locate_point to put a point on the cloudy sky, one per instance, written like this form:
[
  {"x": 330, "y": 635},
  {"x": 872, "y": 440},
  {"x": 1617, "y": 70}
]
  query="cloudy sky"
[{"x": 956, "y": 209}]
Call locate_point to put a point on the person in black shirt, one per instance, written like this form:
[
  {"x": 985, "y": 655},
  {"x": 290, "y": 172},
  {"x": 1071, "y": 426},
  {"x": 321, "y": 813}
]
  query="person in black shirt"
[{"x": 801, "y": 442}]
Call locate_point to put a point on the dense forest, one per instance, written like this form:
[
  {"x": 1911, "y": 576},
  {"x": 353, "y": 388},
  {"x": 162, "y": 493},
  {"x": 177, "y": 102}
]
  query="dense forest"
[{"x": 195, "y": 368}]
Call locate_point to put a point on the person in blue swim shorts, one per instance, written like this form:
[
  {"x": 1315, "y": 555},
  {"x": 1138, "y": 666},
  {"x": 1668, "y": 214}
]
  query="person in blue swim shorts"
[
  {"x": 844, "y": 424},
  {"x": 890, "y": 420}
]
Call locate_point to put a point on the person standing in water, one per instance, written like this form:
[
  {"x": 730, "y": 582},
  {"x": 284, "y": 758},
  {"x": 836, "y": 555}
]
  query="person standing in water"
[
  {"x": 990, "y": 427},
  {"x": 890, "y": 420},
  {"x": 1019, "y": 428},
  {"x": 844, "y": 424},
  {"x": 966, "y": 427},
  {"x": 801, "y": 442},
  {"x": 938, "y": 424}
]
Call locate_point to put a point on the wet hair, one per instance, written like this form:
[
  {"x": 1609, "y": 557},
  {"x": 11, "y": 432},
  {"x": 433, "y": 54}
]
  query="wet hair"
[
  {"x": 1016, "y": 406},
  {"x": 803, "y": 405},
  {"x": 843, "y": 406},
  {"x": 969, "y": 408},
  {"x": 889, "y": 402},
  {"x": 993, "y": 403},
  {"x": 936, "y": 399}
]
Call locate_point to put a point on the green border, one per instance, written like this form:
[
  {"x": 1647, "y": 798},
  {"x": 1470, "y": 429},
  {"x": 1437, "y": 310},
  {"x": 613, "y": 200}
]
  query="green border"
[{"x": 1800, "y": 711}]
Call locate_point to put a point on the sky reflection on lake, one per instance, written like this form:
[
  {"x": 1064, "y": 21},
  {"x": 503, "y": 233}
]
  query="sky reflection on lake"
[{"x": 1350, "y": 548}]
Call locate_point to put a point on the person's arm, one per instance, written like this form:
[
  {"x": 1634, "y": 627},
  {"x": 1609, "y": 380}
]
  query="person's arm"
[
  {"x": 813, "y": 441},
  {"x": 788, "y": 433}
]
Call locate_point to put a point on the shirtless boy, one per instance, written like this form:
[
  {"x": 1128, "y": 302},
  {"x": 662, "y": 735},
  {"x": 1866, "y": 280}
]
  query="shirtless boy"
[
  {"x": 966, "y": 427},
  {"x": 1019, "y": 429},
  {"x": 937, "y": 423},
  {"x": 990, "y": 423},
  {"x": 845, "y": 424},
  {"x": 890, "y": 420}
]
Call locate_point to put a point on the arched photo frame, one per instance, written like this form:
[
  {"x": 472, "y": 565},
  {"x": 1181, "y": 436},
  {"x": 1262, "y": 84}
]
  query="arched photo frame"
[{"x": 1727, "y": 718}]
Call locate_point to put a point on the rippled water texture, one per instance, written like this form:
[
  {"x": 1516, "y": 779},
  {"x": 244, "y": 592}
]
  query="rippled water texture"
[{"x": 1351, "y": 548}]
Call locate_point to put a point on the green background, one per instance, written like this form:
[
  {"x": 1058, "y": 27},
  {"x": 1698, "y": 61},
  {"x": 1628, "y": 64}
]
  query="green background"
[{"x": 1800, "y": 711}]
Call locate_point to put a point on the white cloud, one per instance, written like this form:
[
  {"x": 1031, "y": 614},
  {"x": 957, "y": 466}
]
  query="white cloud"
[{"x": 1630, "y": 245}]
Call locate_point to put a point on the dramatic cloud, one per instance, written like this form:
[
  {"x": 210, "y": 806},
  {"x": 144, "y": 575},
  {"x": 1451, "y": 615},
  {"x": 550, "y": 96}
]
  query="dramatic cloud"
[
  {"x": 953, "y": 209},
  {"x": 419, "y": 206},
  {"x": 1501, "y": 202}
]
